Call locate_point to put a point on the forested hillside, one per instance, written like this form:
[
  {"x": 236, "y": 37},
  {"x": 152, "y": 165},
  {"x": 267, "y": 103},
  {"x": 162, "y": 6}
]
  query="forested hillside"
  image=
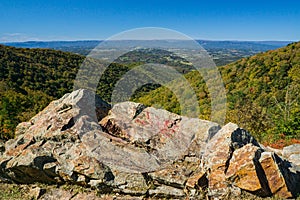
[
  {"x": 29, "y": 80},
  {"x": 262, "y": 90},
  {"x": 262, "y": 94}
]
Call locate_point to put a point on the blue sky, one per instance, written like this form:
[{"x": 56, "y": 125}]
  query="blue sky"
[{"x": 98, "y": 19}]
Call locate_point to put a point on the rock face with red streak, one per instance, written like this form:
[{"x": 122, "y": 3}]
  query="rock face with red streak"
[
  {"x": 141, "y": 151},
  {"x": 165, "y": 135}
]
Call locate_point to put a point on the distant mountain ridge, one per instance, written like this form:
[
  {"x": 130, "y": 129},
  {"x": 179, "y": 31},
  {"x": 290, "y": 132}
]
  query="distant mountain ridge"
[
  {"x": 254, "y": 45},
  {"x": 222, "y": 52}
]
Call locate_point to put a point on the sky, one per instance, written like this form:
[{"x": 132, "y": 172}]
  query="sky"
[{"x": 99, "y": 19}]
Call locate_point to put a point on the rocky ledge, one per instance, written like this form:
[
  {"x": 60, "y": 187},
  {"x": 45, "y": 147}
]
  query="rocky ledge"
[{"x": 144, "y": 152}]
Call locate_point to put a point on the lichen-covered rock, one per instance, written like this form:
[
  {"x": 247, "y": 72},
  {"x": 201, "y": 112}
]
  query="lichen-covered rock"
[
  {"x": 279, "y": 152},
  {"x": 197, "y": 179},
  {"x": 234, "y": 158},
  {"x": 275, "y": 180},
  {"x": 129, "y": 183},
  {"x": 22, "y": 128},
  {"x": 295, "y": 158},
  {"x": 177, "y": 173},
  {"x": 242, "y": 166},
  {"x": 217, "y": 157},
  {"x": 290, "y": 150}
]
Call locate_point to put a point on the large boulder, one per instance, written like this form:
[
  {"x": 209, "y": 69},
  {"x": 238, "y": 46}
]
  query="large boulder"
[
  {"x": 217, "y": 156},
  {"x": 242, "y": 166},
  {"x": 165, "y": 136},
  {"x": 272, "y": 177},
  {"x": 48, "y": 147},
  {"x": 234, "y": 159}
]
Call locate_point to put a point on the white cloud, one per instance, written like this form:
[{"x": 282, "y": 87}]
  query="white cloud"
[{"x": 16, "y": 37}]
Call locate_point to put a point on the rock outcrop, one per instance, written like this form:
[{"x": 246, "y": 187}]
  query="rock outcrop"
[
  {"x": 236, "y": 161},
  {"x": 140, "y": 151}
]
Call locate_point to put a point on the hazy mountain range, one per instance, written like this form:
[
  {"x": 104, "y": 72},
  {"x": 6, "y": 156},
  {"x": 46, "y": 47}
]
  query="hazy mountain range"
[{"x": 207, "y": 44}]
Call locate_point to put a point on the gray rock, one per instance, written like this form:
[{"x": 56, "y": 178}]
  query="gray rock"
[
  {"x": 292, "y": 154},
  {"x": 295, "y": 158},
  {"x": 292, "y": 149},
  {"x": 167, "y": 192},
  {"x": 129, "y": 183},
  {"x": 277, "y": 151}
]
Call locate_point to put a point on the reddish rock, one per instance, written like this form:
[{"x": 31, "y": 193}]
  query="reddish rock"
[
  {"x": 242, "y": 167},
  {"x": 276, "y": 181},
  {"x": 218, "y": 154},
  {"x": 198, "y": 178}
]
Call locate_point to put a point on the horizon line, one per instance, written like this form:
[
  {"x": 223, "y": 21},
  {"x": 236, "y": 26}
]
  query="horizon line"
[{"x": 95, "y": 40}]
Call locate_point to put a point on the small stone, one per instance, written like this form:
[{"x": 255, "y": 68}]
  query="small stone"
[
  {"x": 95, "y": 183},
  {"x": 81, "y": 179},
  {"x": 166, "y": 191},
  {"x": 36, "y": 192},
  {"x": 197, "y": 177},
  {"x": 56, "y": 194}
]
